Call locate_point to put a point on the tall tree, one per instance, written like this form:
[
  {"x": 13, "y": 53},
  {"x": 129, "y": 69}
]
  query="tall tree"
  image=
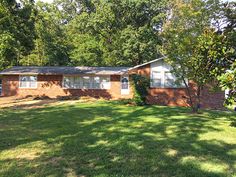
[
  {"x": 16, "y": 31},
  {"x": 50, "y": 44},
  {"x": 193, "y": 46},
  {"x": 228, "y": 76},
  {"x": 116, "y": 33}
]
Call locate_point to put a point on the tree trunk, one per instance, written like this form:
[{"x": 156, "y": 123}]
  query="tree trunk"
[
  {"x": 189, "y": 95},
  {"x": 198, "y": 99}
]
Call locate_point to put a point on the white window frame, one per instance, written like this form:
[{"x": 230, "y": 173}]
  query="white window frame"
[
  {"x": 163, "y": 78},
  {"x": 28, "y": 82},
  {"x": 91, "y": 82}
]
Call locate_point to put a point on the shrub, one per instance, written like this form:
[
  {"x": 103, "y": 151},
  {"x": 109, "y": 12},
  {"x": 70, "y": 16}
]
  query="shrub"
[{"x": 140, "y": 86}]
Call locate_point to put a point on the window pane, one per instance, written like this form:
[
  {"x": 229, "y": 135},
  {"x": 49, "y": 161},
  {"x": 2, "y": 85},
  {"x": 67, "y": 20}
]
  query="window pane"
[
  {"x": 86, "y": 82},
  {"x": 67, "y": 83},
  {"x": 32, "y": 84},
  {"x": 96, "y": 82},
  {"x": 76, "y": 82},
  {"x": 23, "y": 78},
  {"x": 105, "y": 82},
  {"x": 156, "y": 75},
  {"x": 23, "y": 84},
  {"x": 124, "y": 83},
  {"x": 169, "y": 75},
  {"x": 170, "y": 83},
  {"x": 156, "y": 82},
  {"x": 169, "y": 80},
  {"x": 156, "y": 79},
  {"x": 32, "y": 78}
]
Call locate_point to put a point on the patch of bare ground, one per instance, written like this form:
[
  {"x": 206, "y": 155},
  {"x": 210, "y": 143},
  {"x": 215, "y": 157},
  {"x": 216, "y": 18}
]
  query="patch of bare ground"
[{"x": 38, "y": 102}]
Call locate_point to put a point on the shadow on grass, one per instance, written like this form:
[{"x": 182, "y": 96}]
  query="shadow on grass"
[{"x": 108, "y": 139}]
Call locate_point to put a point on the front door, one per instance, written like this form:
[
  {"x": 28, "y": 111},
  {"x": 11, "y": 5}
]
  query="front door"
[{"x": 124, "y": 85}]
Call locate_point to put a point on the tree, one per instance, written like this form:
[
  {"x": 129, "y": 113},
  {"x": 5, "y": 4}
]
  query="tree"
[
  {"x": 117, "y": 33},
  {"x": 16, "y": 31},
  {"x": 228, "y": 78},
  {"x": 193, "y": 47},
  {"x": 228, "y": 81},
  {"x": 50, "y": 43}
]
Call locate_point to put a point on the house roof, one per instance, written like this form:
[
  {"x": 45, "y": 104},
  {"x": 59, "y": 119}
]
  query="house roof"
[
  {"x": 64, "y": 70},
  {"x": 152, "y": 61}
]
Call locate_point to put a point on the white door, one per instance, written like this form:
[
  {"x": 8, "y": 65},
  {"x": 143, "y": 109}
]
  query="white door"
[{"x": 124, "y": 85}]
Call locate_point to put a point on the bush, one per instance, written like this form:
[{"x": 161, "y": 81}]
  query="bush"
[{"x": 140, "y": 86}]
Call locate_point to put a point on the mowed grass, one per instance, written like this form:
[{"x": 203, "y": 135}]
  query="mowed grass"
[{"x": 109, "y": 139}]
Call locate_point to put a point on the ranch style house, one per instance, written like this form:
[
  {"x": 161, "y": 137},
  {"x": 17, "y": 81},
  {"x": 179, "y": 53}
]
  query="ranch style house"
[{"x": 105, "y": 82}]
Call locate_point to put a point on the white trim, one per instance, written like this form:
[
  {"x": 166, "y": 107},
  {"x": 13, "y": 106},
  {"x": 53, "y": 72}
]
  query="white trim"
[
  {"x": 146, "y": 63},
  {"x": 22, "y": 75}
]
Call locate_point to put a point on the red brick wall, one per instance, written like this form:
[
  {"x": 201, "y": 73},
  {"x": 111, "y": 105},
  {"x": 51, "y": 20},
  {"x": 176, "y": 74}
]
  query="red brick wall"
[
  {"x": 178, "y": 96},
  {"x": 51, "y": 85}
]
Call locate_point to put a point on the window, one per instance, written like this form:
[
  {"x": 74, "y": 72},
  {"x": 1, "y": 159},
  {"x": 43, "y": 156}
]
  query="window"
[
  {"x": 165, "y": 79},
  {"x": 96, "y": 83},
  {"x": 71, "y": 82},
  {"x": 105, "y": 82},
  {"x": 86, "y": 82},
  {"x": 169, "y": 80},
  {"x": 28, "y": 82},
  {"x": 124, "y": 83},
  {"x": 156, "y": 79},
  {"x": 77, "y": 81},
  {"x": 67, "y": 82}
]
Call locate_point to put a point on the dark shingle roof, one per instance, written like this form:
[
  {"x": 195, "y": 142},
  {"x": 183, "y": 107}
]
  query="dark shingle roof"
[{"x": 64, "y": 70}]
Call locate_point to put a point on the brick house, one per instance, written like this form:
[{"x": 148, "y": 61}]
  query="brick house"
[{"x": 106, "y": 82}]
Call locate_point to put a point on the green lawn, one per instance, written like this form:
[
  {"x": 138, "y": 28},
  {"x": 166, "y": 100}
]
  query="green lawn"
[{"x": 110, "y": 139}]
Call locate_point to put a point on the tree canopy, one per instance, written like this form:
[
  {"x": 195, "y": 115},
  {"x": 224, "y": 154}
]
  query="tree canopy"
[
  {"x": 196, "y": 48},
  {"x": 80, "y": 32}
]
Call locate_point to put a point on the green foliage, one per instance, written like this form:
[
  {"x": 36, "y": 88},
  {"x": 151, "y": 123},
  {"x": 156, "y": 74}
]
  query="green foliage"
[
  {"x": 80, "y": 32},
  {"x": 228, "y": 78},
  {"x": 50, "y": 45},
  {"x": 228, "y": 82},
  {"x": 140, "y": 85},
  {"x": 194, "y": 48},
  {"x": 16, "y": 31},
  {"x": 116, "y": 34}
]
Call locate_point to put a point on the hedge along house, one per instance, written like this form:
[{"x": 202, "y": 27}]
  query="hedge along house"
[{"x": 106, "y": 82}]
